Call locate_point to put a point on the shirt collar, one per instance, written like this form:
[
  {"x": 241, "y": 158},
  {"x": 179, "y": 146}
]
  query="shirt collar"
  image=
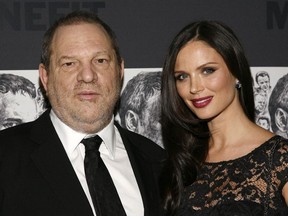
[
  {"x": 71, "y": 138},
  {"x": 109, "y": 138}
]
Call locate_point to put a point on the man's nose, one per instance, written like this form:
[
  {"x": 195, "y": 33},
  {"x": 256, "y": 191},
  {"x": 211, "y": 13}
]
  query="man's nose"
[{"x": 87, "y": 73}]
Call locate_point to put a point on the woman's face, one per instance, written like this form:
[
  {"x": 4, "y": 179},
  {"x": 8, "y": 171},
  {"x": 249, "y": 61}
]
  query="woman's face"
[{"x": 203, "y": 80}]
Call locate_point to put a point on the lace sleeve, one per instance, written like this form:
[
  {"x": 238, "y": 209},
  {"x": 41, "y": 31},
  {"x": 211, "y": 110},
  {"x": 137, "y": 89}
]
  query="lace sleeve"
[{"x": 280, "y": 161}]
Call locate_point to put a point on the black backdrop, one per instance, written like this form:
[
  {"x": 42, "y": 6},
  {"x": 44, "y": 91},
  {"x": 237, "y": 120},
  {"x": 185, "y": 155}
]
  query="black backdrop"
[{"x": 146, "y": 27}]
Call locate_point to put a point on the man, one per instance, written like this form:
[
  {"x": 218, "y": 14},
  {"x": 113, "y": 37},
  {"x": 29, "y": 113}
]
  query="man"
[
  {"x": 42, "y": 163},
  {"x": 17, "y": 100},
  {"x": 264, "y": 122},
  {"x": 263, "y": 82},
  {"x": 140, "y": 105},
  {"x": 278, "y": 107},
  {"x": 260, "y": 104}
]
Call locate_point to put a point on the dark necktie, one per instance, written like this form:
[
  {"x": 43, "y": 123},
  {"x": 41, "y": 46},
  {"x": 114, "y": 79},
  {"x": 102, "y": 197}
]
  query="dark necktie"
[{"x": 101, "y": 187}]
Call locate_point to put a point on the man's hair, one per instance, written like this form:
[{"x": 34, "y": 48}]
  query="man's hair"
[
  {"x": 76, "y": 17},
  {"x": 278, "y": 99},
  {"x": 262, "y": 117},
  {"x": 138, "y": 91},
  {"x": 16, "y": 84},
  {"x": 261, "y": 74}
]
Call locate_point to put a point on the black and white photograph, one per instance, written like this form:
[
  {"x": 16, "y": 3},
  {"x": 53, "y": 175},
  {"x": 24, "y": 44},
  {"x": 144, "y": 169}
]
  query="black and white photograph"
[
  {"x": 140, "y": 105},
  {"x": 21, "y": 99},
  {"x": 270, "y": 88}
]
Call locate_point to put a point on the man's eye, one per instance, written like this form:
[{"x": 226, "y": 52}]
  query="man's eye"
[
  {"x": 11, "y": 124},
  {"x": 68, "y": 64},
  {"x": 101, "y": 61}
]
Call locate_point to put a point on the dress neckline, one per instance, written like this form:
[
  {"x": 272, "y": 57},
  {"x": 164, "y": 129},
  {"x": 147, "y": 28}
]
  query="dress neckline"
[{"x": 267, "y": 142}]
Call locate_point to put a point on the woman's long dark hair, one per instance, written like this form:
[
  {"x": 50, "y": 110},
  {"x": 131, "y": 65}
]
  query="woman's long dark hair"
[{"x": 185, "y": 136}]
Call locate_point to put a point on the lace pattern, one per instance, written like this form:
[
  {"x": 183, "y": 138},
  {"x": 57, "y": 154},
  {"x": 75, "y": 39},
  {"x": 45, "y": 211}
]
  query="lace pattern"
[{"x": 250, "y": 183}]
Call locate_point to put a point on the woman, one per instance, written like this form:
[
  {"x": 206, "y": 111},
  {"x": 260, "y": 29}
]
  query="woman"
[{"x": 220, "y": 162}]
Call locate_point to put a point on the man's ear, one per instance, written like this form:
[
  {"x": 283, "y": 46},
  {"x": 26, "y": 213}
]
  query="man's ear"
[
  {"x": 43, "y": 75},
  {"x": 281, "y": 119},
  {"x": 131, "y": 121}
]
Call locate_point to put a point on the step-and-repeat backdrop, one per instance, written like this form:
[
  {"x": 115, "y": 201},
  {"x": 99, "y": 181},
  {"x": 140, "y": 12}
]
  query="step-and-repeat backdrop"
[{"x": 144, "y": 29}]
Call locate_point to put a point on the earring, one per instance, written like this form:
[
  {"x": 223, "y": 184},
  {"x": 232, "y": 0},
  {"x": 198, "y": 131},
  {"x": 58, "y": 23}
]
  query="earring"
[{"x": 238, "y": 85}]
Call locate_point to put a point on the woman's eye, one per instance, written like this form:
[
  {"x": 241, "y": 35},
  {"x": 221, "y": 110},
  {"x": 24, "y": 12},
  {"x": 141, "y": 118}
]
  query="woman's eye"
[
  {"x": 208, "y": 70},
  {"x": 181, "y": 76}
]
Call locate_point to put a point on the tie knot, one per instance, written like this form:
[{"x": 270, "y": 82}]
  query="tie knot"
[{"x": 92, "y": 143}]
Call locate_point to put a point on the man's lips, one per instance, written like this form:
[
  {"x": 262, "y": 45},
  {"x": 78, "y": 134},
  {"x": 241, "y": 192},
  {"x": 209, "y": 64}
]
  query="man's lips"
[
  {"x": 88, "y": 95},
  {"x": 202, "y": 102}
]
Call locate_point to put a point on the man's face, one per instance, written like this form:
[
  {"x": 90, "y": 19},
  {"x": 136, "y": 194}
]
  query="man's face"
[
  {"x": 264, "y": 123},
  {"x": 16, "y": 109},
  {"x": 84, "y": 79},
  {"x": 264, "y": 83},
  {"x": 150, "y": 121},
  {"x": 260, "y": 103}
]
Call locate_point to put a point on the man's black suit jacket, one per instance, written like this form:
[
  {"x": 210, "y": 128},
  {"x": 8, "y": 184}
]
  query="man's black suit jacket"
[{"x": 37, "y": 178}]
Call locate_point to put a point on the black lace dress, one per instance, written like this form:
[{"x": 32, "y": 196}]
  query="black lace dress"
[{"x": 249, "y": 185}]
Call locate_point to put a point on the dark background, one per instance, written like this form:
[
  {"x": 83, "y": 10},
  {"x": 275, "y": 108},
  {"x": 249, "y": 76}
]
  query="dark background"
[{"x": 145, "y": 28}]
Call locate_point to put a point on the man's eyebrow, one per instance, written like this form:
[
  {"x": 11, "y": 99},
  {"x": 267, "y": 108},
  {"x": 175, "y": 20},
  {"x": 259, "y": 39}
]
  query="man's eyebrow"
[
  {"x": 73, "y": 56},
  {"x": 65, "y": 58},
  {"x": 101, "y": 52}
]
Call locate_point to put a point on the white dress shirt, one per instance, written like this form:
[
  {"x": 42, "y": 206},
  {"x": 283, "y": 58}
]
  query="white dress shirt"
[{"x": 113, "y": 154}]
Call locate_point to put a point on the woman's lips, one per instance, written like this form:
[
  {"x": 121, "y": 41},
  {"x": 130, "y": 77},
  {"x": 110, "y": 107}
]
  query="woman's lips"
[{"x": 202, "y": 102}]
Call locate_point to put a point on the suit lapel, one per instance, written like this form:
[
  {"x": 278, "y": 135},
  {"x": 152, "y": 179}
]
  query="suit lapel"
[
  {"x": 143, "y": 171},
  {"x": 53, "y": 162}
]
